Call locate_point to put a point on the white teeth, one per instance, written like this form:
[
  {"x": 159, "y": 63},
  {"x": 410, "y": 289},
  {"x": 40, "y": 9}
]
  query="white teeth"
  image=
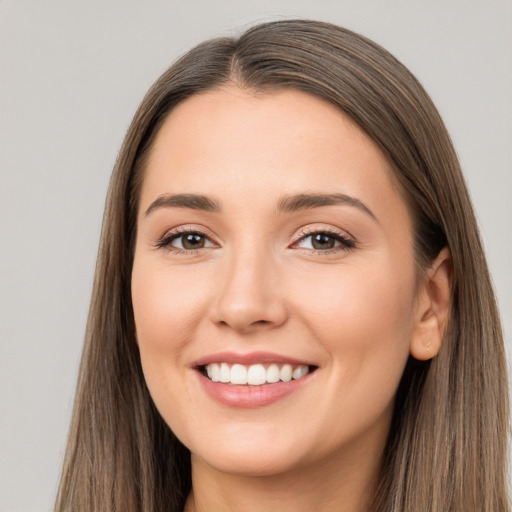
[
  {"x": 255, "y": 374},
  {"x": 286, "y": 373},
  {"x": 225, "y": 373},
  {"x": 299, "y": 372},
  {"x": 215, "y": 372},
  {"x": 273, "y": 374},
  {"x": 238, "y": 374}
]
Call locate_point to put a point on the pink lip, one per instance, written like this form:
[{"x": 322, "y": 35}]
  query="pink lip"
[
  {"x": 246, "y": 396},
  {"x": 250, "y": 397},
  {"x": 248, "y": 359}
]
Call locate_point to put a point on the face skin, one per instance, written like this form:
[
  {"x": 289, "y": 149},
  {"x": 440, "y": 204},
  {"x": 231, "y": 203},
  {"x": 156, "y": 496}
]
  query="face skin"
[{"x": 259, "y": 284}]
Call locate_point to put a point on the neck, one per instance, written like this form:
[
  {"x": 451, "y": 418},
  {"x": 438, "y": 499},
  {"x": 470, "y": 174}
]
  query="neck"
[{"x": 326, "y": 487}]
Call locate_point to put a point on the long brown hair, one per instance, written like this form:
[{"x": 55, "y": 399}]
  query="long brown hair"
[{"x": 447, "y": 445}]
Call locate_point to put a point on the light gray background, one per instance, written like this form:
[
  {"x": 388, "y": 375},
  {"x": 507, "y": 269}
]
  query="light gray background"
[{"x": 71, "y": 76}]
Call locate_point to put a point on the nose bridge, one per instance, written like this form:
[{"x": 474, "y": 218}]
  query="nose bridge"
[{"x": 250, "y": 294}]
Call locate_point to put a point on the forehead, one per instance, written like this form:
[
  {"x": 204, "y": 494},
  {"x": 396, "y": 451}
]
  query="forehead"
[{"x": 253, "y": 148}]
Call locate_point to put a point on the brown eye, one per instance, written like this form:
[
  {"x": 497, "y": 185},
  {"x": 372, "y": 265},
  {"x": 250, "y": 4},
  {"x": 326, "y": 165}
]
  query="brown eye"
[
  {"x": 185, "y": 241},
  {"x": 325, "y": 241},
  {"x": 192, "y": 241},
  {"x": 322, "y": 241}
]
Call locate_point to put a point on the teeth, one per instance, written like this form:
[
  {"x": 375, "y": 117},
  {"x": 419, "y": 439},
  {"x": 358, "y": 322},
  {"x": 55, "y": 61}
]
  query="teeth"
[
  {"x": 299, "y": 372},
  {"x": 255, "y": 374},
  {"x": 238, "y": 374},
  {"x": 273, "y": 373},
  {"x": 286, "y": 373},
  {"x": 225, "y": 373},
  {"x": 214, "y": 372}
]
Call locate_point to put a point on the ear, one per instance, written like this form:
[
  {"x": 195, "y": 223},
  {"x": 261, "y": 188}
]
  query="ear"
[{"x": 433, "y": 308}]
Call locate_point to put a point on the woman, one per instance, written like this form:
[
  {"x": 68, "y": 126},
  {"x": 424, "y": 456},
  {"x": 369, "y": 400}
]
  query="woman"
[{"x": 291, "y": 307}]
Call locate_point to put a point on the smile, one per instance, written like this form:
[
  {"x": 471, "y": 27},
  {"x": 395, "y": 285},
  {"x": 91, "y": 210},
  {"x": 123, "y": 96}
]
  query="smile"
[
  {"x": 252, "y": 380},
  {"x": 254, "y": 374}
]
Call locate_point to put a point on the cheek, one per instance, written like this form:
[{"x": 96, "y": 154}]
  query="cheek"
[
  {"x": 360, "y": 296},
  {"x": 166, "y": 304},
  {"x": 363, "y": 318}
]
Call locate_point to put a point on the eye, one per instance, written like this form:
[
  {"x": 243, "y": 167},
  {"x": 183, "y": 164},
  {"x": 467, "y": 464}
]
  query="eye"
[
  {"x": 185, "y": 241},
  {"x": 325, "y": 241},
  {"x": 189, "y": 241}
]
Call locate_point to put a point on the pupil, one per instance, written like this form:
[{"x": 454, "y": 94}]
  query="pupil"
[
  {"x": 193, "y": 241},
  {"x": 322, "y": 241}
]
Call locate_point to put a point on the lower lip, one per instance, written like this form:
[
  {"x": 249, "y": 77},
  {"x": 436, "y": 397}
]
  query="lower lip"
[{"x": 250, "y": 397}]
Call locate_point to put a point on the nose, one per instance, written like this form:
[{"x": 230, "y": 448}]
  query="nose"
[{"x": 250, "y": 297}]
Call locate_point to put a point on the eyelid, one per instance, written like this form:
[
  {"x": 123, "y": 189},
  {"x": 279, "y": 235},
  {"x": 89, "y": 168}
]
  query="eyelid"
[
  {"x": 347, "y": 241},
  {"x": 164, "y": 242}
]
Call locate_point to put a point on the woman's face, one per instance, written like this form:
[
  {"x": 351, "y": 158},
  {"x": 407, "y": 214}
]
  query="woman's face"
[{"x": 272, "y": 244}]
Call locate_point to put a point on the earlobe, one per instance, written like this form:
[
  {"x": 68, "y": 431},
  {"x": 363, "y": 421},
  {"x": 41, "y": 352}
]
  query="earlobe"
[{"x": 433, "y": 308}]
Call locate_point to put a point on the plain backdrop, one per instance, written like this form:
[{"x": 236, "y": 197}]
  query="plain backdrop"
[{"x": 71, "y": 76}]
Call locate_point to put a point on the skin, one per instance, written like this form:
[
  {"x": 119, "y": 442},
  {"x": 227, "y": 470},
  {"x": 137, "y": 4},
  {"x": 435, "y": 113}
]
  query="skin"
[{"x": 258, "y": 284}]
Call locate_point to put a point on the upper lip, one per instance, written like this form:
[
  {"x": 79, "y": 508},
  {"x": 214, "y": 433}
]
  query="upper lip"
[{"x": 249, "y": 359}]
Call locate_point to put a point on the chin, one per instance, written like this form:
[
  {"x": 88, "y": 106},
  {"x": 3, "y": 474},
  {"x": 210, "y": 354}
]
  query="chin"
[
  {"x": 247, "y": 455},
  {"x": 251, "y": 463}
]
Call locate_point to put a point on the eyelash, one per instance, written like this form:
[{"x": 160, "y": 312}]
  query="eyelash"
[
  {"x": 168, "y": 238},
  {"x": 346, "y": 243}
]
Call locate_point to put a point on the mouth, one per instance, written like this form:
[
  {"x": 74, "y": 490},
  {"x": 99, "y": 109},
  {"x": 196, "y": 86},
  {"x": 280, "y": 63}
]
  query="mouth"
[
  {"x": 257, "y": 374},
  {"x": 252, "y": 380}
]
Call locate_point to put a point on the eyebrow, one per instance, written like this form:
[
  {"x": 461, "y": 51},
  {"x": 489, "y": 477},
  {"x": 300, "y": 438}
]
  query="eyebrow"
[
  {"x": 298, "y": 202},
  {"x": 287, "y": 204},
  {"x": 190, "y": 201}
]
